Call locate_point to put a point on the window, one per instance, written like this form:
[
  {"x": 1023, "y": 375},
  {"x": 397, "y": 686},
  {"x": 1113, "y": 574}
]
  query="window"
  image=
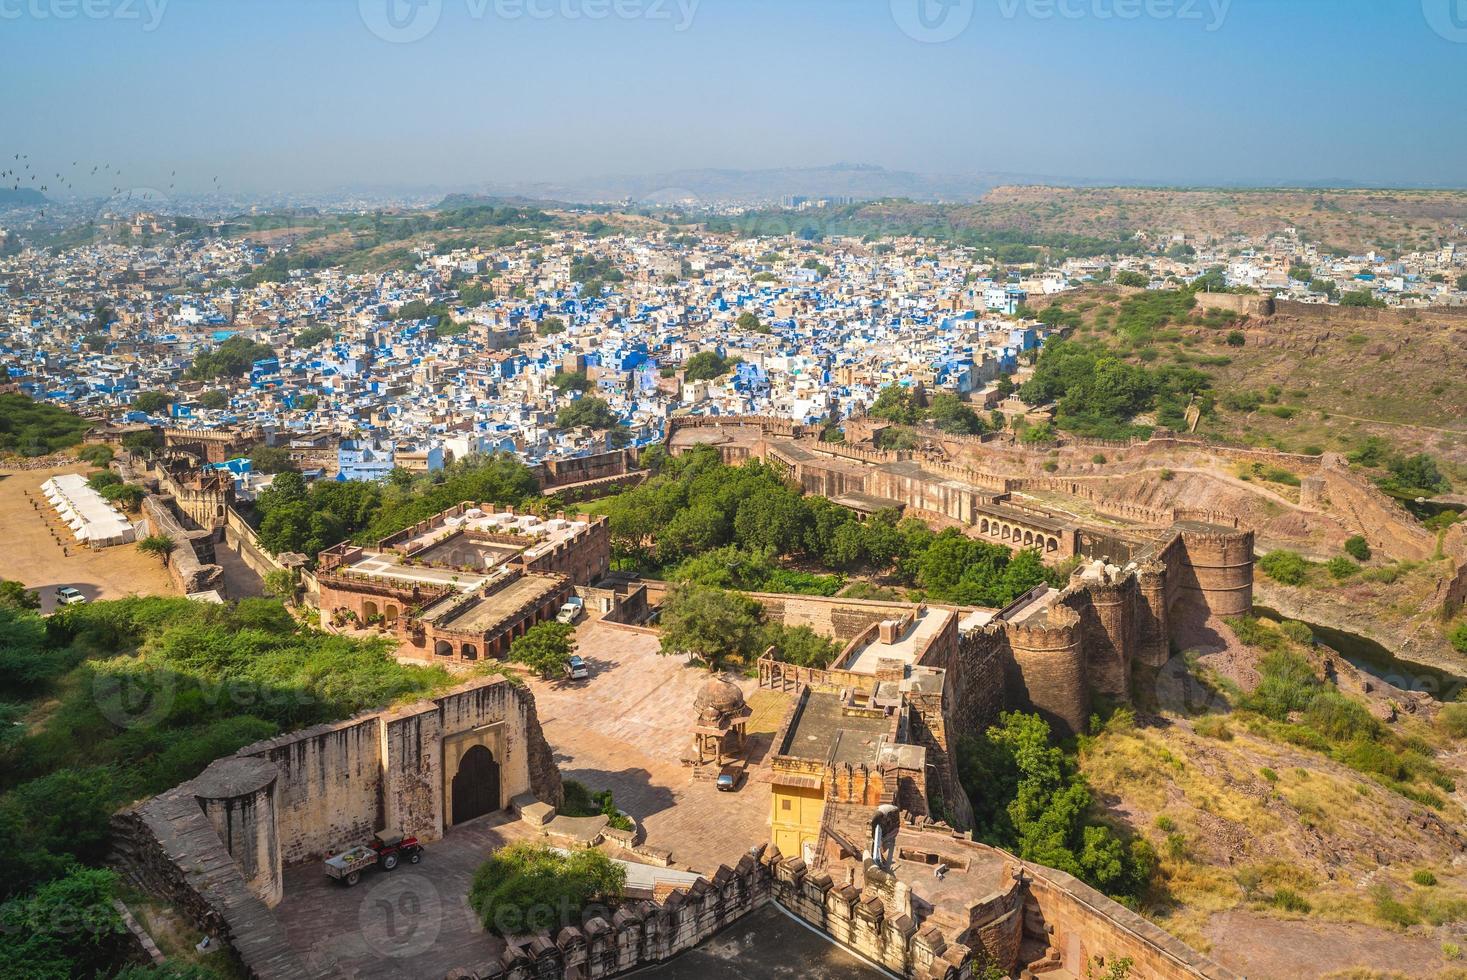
[{"x": 784, "y": 804}]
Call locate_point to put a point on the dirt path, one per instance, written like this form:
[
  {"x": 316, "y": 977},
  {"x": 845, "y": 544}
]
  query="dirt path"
[
  {"x": 1264, "y": 948},
  {"x": 40, "y": 552}
]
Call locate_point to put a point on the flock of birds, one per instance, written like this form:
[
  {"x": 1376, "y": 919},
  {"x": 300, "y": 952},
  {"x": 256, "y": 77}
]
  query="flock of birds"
[{"x": 24, "y": 174}]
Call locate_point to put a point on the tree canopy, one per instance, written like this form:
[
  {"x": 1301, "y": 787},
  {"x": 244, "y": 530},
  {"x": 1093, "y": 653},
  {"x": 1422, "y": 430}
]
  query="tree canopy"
[{"x": 231, "y": 359}]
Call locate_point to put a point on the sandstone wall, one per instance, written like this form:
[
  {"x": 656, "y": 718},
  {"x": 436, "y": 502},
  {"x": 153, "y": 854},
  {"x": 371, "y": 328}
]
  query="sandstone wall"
[
  {"x": 1080, "y": 924},
  {"x": 843, "y": 619}
]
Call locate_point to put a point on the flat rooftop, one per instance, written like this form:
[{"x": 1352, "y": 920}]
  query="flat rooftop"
[
  {"x": 490, "y": 611},
  {"x": 908, "y": 647},
  {"x": 1035, "y": 612},
  {"x": 823, "y": 731}
]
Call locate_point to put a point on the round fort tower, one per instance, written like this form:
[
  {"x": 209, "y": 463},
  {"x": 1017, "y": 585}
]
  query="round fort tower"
[
  {"x": 237, "y": 795},
  {"x": 1048, "y": 668},
  {"x": 1220, "y": 563}
]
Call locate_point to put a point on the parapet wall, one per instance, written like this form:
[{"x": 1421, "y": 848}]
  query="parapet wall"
[
  {"x": 637, "y": 934},
  {"x": 1079, "y": 925}
]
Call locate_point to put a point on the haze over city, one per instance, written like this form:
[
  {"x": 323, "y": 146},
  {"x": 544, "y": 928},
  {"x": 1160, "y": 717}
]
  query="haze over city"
[{"x": 280, "y": 95}]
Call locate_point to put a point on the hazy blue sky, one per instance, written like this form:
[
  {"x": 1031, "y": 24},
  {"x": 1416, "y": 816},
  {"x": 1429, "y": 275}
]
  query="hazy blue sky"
[{"x": 302, "y": 94}]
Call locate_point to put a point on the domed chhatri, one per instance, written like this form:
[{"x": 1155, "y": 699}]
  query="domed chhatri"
[
  {"x": 720, "y": 716},
  {"x": 719, "y": 696}
]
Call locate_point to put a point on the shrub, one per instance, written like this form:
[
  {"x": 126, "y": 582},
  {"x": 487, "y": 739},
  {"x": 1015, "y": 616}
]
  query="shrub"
[
  {"x": 1165, "y": 824},
  {"x": 1098, "y": 458},
  {"x": 529, "y": 887},
  {"x": 1236, "y": 338},
  {"x": 1424, "y": 878},
  {"x": 1213, "y": 726},
  {"x": 1290, "y": 901},
  {"x": 1453, "y": 720},
  {"x": 1284, "y": 567},
  {"x": 1269, "y": 774},
  {"x": 1390, "y": 910},
  {"x": 1458, "y": 637},
  {"x": 1358, "y": 548},
  {"x": 1341, "y": 568},
  {"x": 1297, "y": 631}
]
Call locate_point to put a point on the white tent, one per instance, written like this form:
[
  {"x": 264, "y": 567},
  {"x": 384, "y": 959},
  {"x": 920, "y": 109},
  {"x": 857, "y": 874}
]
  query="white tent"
[{"x": 92, "y": 519}]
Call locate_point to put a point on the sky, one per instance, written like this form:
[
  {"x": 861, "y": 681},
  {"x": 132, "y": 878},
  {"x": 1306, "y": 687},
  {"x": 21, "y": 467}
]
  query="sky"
[{"x": 316, "y": 95}]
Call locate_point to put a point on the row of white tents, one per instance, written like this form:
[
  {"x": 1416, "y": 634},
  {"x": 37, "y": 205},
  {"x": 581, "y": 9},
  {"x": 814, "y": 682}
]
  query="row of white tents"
[{"x": 92, "y": 518}]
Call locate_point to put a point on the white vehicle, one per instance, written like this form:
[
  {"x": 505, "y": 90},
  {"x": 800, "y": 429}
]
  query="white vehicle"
[
  {"x": 68, "y": 596},
  {"x": 577, "y": 668},
  {"x": 570, "y": 611}
]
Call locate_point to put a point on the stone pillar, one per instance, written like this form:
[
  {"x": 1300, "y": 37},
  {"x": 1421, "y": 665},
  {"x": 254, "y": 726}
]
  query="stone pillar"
[{"x": 237, "y": 796}]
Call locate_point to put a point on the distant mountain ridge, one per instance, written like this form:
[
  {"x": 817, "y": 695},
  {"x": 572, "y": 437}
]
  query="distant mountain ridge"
[
  {"x": 855, "y": 181},
  {"x": 860, "y": 182},
  {"x": 24, "y": 197}
]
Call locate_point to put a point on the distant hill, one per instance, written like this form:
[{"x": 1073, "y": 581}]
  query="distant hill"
[
  {"x": 23, "y": 198},
  {"x": 861, "y": 182}
]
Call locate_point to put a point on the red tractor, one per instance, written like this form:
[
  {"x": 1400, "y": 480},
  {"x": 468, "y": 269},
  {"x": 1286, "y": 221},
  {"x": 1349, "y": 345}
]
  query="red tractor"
[
  {"x": 391, "y": 848},
  {"x": 385, "y": 850}
]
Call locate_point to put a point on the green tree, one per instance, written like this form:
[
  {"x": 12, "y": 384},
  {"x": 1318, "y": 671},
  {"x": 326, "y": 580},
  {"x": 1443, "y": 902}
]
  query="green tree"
[
  {"x": 214, "y": 399},
  {"x": 1027, "y": 797},
  {"x": 570, "y": 381},
  {"x": 528, "y": 887},
  {"x": 271, "y": 459},
  {"x": 151, "y": 402},
  {"x": 1133, "y": 279},
  {"x": 550, "y": 326},
  {"x": 591, "y": 412},
  {"x": 1362, "y": 298},
  {"x": 708, "y": 624},
  {"x": 896, "y": 403},
  {"x": 160, "y": 546},
  {"x": 1357, "y": 547},
  {"x": 749, "y": 322},
  {"x": 17, "y": 596},
  {"x": 705, "y": 366},
  {"x": 545, "y": 648},
  {"x": 948, "y": 413}
]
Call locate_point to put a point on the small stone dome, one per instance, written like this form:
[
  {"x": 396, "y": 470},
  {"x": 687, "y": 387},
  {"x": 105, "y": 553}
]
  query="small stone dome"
[{"x": 720, "y": 696}]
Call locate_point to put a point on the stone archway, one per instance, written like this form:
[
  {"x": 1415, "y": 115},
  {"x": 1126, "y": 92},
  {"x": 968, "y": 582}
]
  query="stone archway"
[
  {"x": 469, "y": 652},
  {"x": 369, "y": 610},
  {"x": 475, "y": 785},
  {"x": 389, "y": 614},
  {"x": 442, "y": 648}
]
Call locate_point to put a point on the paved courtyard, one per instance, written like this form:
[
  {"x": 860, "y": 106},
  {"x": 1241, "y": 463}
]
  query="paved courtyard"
[{"x": 626, "y": 728}]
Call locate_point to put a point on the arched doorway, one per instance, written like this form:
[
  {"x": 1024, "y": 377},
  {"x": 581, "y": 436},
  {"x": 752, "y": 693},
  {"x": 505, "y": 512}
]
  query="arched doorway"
[
  {"x": 442, "y": 648},
  {"x": 469, "y": 652},
  {"x": 475, "y": 785},
  {"x": 369, "y": 610}
]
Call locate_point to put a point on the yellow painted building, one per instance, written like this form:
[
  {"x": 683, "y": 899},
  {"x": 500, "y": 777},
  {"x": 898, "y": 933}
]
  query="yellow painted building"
[{"x": 796, "y": 820}]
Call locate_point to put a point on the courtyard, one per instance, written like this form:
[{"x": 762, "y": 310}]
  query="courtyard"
[
  {"x": 624, "y": 729},
  {"x": 41, "y": 553}
]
